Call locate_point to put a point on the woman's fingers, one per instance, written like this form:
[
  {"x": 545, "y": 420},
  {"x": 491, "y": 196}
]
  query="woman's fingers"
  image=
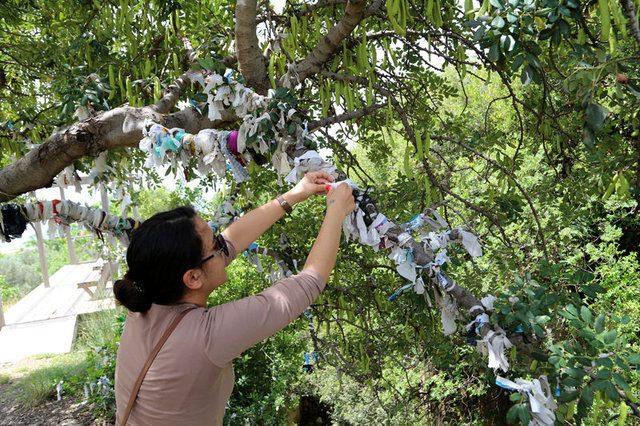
[
  {"x": 341, "y": 196},
  {"x": 320, "y": 177},
  {"x": 319, "y": 188}
]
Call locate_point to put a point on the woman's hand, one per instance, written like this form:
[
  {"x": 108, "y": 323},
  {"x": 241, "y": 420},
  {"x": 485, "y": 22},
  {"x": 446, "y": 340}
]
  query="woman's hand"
[
  {"x": 340, "y": 200},
  {"x": 311, "y": 183}
]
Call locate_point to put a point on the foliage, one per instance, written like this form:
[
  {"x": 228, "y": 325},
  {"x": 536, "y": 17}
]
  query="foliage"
[
  {"x": 100, "y": 345},
  {"x": 267, "y": 372},
  {"x": 20, "y": 273},
  {"x": 7, "y": 293},
  {"x": 516, "y": 119}
]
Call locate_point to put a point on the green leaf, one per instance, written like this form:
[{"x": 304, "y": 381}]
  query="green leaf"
[
  {"x": 577, "y": 373},
  {"x": 605, "y": 18},
  {"x": 584, "y": 403},
  {"x": 611, "y": 392},
  {"x": 507, "y": 43},
  {"x": 543, "y": 319},
  {"x": 498, "y": 22},
  {"x": 604, "y": 362},
  {"x": 554, "y": 359},
  {"x": 586, "y": 315},
  {"x": 567, "y": 315},
  {"x": 478, "y": 34},
  {"x": 538, "y": 330},
  {"x": 634, "y": 359},
  {"x": 599, "y": 324},
  {"x": 494, "y": 53},
  {"x": 609, "y": 337},
  {"x": 512, "y": 414},
  {"x": 517, "y": 62},
  {"x": 526, "y": 76},
  {"x": 568, "y": 396},
  {"x": 622, "y": 188},
  {"x": 599, "y": 384},
  {"x": 619, "y": 380},
  {"x": 571, "y": 382},
  {"x": 524, "y": 415},
  {"x": 586, "y": 333}
]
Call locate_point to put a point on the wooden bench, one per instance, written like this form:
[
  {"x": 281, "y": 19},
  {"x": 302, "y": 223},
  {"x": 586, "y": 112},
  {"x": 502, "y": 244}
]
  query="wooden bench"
[{"x": 96, "y": 286}]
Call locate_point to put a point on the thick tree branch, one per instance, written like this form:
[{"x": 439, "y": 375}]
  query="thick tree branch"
[
  {"x": 171, "y": 95},
  {"x": 630, "y": 9},
  {"x": 353, "y": 14},
  {"x": 119, "y": 127},
  {"x": 250, "y": 59}
]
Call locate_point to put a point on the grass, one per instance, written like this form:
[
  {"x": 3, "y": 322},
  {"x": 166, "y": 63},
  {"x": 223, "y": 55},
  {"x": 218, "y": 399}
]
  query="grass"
[
  {"x": 34, "y": 379},
  {"x": 4, "y": 378},
  {"x": 95, "y": 329},
  {"x": 39, "y": 385}
]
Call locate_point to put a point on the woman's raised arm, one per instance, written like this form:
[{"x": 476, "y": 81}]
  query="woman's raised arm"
[
  {"x": 249, "y": 227},
  {"x": 236, "y": 326}
]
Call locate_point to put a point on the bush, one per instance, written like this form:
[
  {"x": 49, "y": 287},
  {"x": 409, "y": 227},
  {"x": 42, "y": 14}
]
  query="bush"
[
  {"x": 99, "y": 340},
  {"x": 8, "y": 293},
  {"x": 21, "y": 274}
]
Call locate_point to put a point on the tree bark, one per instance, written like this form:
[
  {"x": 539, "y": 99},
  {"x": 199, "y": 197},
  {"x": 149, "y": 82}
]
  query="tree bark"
[
  {"x": 119, "y": 127},
  {"x": 353, "y": 14},
  {"x": 630, "y": 9},
  {"x": 250, "y": 59}
]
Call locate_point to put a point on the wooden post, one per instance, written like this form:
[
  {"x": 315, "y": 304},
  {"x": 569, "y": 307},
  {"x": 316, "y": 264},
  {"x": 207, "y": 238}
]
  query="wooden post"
[
  {"x": 41, "y": 250},
  {"x": 104, "y": 197},
  {"x": 1, "y": 314},
  {"x": 73, "y": 258},
  {"x": 42, "y": 253}
]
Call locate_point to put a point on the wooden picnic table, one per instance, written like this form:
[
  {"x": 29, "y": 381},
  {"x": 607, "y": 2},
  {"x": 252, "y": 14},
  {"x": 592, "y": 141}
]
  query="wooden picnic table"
[{"x": 97, "y": 280}]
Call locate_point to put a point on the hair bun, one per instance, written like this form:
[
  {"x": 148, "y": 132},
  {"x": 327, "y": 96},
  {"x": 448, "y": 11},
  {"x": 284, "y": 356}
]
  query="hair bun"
[{"x": 131, "y": 294}]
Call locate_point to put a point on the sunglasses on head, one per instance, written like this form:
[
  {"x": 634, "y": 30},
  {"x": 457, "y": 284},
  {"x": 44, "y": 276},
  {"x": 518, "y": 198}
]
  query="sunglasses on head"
[{"x": 219, "y": 246}]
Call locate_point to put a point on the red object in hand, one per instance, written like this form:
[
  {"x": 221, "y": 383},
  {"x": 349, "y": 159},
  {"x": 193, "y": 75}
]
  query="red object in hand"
[{"x": 327, "y": 187}]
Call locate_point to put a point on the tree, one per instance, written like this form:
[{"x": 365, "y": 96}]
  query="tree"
[{"x": 550, "y": 100}]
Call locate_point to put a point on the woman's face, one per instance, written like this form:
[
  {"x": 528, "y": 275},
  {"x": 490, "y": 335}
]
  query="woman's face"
[{"x": 214, "y": 272}]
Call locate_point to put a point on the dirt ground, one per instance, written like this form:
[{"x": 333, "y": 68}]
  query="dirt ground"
[{"x": 67, "y": 412}]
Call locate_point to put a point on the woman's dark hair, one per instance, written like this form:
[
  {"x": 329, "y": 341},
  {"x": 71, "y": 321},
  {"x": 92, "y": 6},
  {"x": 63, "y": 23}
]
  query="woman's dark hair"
[{"x": 161, "y": 250}]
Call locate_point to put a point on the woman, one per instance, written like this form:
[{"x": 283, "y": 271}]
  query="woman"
[{"x": 175, "y": 261}]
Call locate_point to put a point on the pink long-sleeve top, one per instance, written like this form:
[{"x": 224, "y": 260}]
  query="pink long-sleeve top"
[{"x": 192, "y": 377}]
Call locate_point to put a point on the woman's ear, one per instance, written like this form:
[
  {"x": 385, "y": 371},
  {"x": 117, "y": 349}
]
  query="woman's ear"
[{"x": 193, "y": 279}]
